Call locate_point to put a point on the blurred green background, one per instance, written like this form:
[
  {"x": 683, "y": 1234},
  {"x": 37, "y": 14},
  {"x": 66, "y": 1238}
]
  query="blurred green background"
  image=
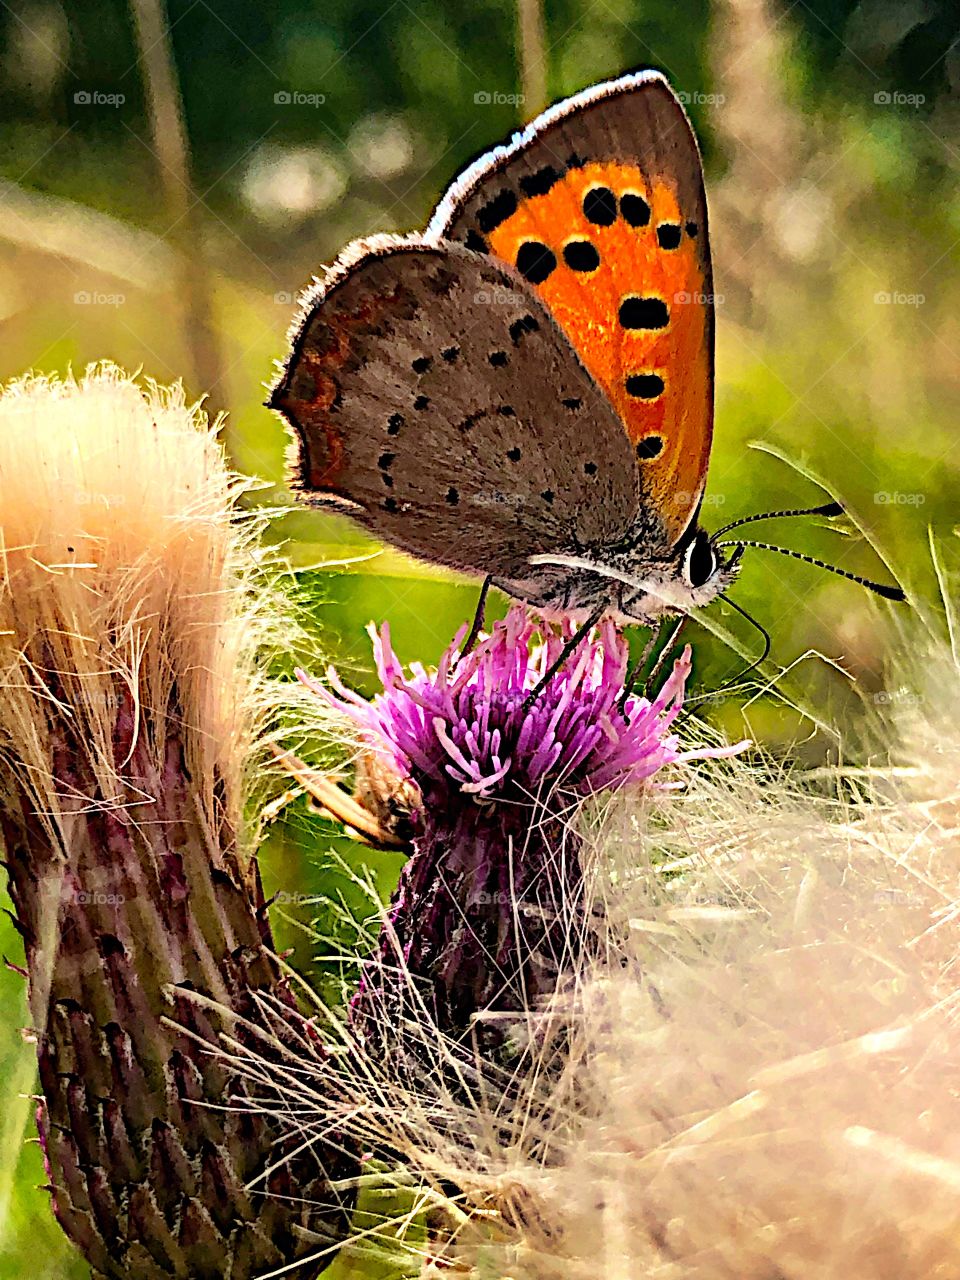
[{"x": 831, "y": 133}]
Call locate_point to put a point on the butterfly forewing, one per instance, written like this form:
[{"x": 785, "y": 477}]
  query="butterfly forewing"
[
  {"x": 600, "y": 206},
  {"x": 432, "y": 389}
]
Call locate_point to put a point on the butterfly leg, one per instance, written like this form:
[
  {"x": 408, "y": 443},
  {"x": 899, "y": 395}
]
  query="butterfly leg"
[
  {"x": 478, "y": 617},
  {"x": 648, "y": 687},
  {"x": 568, "y": 648},
  {"x": 650, "y": 682},
  {"x": 635, "y": 669}
]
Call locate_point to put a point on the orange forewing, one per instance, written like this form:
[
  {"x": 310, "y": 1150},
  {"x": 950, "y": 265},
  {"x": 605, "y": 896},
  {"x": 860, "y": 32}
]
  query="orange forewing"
[{"x": 586, "y": 306}]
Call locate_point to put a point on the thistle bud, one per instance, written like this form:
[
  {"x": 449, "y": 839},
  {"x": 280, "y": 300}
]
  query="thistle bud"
[{"x": 126, "y": 727}]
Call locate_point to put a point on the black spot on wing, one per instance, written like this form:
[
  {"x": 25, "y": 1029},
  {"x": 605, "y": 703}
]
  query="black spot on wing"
[
  {"x": 646, "y": 386},
  {"x": 539, "y": 183},
  {"x": 535, "y": 261},
  {"x": 600, "y": 206},
  {"x": 649, "y": 447},
  {"x": 495, "y": 211},
  {"x": 525, "y": 324},
  {"x": 581, "y": 255},
  {"x": 643, "y": 313},
  {"x": 635, "y": 210},
  {"x": 668, "y": 235}
]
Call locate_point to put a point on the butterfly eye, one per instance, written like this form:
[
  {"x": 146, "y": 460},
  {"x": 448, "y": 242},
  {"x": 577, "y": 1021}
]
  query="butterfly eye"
[{"x": 701, "y": 562}]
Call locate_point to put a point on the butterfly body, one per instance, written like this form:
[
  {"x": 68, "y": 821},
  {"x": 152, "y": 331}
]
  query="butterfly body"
[
  {"x": 630, "y": 581},
  {"x": 524, "y": 391}
]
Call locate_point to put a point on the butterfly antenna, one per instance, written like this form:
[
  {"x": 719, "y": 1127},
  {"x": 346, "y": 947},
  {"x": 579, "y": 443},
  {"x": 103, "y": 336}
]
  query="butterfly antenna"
[
  {"x": 827, "y": 509},
  {"x": 878, "y": 588}
]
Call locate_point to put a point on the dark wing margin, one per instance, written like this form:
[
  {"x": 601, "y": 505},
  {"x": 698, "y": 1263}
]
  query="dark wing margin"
[{"x": 635, "y": 119}]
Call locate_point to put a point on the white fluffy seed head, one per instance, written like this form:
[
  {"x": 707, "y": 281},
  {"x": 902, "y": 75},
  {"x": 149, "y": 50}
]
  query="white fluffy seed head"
[{"x": 119, "y": 568}]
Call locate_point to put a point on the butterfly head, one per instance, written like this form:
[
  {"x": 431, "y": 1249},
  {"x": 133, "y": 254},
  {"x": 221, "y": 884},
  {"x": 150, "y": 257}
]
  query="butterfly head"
[
  {"x": 689, "y": 577},
  {"x": 637, "y": 586},
  {"x": 702, "y": 571}
]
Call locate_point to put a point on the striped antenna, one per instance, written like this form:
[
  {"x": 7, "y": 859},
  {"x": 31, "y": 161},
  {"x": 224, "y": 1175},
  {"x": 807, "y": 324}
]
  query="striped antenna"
[
  {"x": 878, "y": 588},
  {"x": 828, "y": 509}
]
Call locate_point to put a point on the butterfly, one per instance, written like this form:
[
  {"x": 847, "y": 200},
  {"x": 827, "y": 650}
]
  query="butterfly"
[{"x": 525, "y": 390}]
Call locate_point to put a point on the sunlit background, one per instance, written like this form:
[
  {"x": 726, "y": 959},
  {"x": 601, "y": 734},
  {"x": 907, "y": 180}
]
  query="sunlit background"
[{"x": 170, "y": 178}]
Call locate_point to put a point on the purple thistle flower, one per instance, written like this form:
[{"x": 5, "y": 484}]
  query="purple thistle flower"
[
  {"x": 491, "y": 901},
  {"x": 467, "y": 727}
]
